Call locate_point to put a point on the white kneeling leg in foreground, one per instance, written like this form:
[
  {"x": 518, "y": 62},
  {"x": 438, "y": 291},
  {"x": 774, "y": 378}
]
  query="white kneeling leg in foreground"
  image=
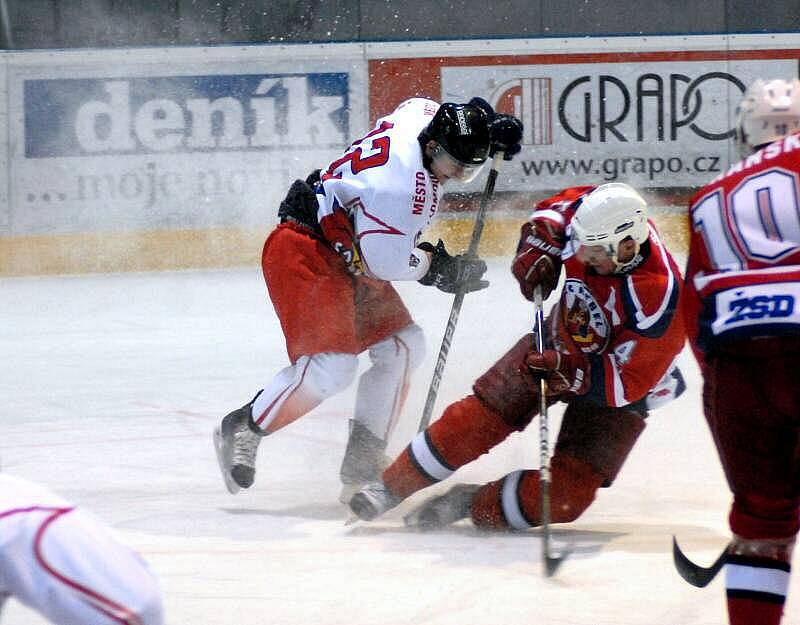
[{"x": 67, "y": 565}]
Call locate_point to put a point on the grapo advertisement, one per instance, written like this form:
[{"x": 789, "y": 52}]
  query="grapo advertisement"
[
  {"x": 172, "y": 145},
  {"x": 654, "y": 119},
  {"x": 655, "y": 124}
]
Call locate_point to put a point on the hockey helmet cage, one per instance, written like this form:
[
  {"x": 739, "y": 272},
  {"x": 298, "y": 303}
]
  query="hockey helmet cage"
[
  {"x": 768, "y": 111},
  {"x": 463, "y": 132},
  {"x": 610, "y": 214}
]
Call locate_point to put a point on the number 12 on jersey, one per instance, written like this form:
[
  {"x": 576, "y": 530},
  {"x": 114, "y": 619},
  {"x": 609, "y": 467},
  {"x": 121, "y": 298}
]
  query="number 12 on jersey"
[{"x": 369, "y": 151}]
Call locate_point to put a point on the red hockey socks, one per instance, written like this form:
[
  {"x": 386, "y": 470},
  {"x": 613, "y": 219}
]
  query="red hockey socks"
[
  {"x": 756, "y": 589},
  {"x": 757, "y": 569},
  {"x": 467, "y": 429},
  {"x": 514, "y": 501},
  {"x": 757, "y": 578}
]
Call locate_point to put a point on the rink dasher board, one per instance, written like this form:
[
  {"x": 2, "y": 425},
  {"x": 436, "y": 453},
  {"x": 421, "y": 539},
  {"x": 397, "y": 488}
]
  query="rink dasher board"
[{"x": 160, "y": 158}]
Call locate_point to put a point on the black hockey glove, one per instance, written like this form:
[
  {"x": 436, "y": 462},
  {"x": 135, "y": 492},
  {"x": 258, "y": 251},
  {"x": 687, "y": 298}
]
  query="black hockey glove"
[
  {"x": 300, "y": 204},
  {"x": 484, "y": 106},
  {"x": 505, "y": 134},
  {"x": 449, "y": 273}
]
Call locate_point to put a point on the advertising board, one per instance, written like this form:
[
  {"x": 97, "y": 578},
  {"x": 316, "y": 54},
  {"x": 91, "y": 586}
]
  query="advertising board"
[
  {"x": 658, "y": 119},
  {"x": 178, "y": 157},
  {"x": 179, "y": 145}
]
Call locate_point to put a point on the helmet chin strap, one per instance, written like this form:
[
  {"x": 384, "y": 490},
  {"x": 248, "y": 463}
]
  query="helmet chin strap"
[
  {"x": 423, "y": 144},
  {"x": 618, "y": 266},
  {"x": 435, "y": 152}
]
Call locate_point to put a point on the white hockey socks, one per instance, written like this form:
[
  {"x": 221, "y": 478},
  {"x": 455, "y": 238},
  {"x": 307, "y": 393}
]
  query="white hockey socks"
[
  {"x": 299, "y": 388},
  {"x": 382, "y": 389}
]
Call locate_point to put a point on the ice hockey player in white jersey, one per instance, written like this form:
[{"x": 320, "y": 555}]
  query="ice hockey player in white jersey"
[
  {"x": 67, "y": 565},
  {"x": 345, "y": 233}
]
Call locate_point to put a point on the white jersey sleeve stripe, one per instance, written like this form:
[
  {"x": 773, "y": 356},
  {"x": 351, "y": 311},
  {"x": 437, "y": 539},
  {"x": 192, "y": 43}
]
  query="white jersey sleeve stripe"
[
  {"x": 619, "y": 398},
  {"x": 644, "y": 321},
  {"x": 549, "y": 215},
  {"x": 701, "y": 281}
]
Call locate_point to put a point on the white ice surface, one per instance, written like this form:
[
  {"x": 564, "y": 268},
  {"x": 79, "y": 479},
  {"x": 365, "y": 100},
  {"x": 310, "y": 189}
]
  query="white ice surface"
[{"x": 111, "y": 386}]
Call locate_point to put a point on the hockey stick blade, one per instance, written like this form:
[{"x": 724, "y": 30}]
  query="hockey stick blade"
[
  {"x": 696, "y": 575},
  {"x": 351, "y": 520},
  {"x": 551, "y": 563}
]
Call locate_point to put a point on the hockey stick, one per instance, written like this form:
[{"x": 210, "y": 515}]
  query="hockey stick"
[
  {"x": 694, "y": 574},
  {"x": 551, "y": 562},
  {"x": 472, "y": 251},
  {"x": 8, "y": 39}
]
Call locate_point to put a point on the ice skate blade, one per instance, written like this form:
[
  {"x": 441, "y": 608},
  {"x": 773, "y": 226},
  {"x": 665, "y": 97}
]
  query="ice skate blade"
[
  {"x": 352, "y": 519},
  {"x": 224, "y": 467},
  {"x": 347, "y": 492}
]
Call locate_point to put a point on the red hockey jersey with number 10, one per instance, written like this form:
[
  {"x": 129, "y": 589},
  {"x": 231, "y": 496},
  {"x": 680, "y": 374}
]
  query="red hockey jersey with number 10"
[
  {"x": 628, "y": 324},
  {"x": 743, "y": 271}
]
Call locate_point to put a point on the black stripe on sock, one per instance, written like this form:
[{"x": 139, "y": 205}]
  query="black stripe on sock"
[
  {"x": 756, "y": 595},
  {"x": 500, "y": 502},
  {"x": 758, "y": 562},
  {"x": 418, "y": 466},
  {"x": 435, "y": 452}
]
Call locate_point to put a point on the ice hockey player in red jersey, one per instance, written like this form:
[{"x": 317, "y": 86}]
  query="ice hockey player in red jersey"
[
  {"x": 343, "y": 237},
  {"x": 743, "y": 322},
  {"x": 611, "y": 343}
]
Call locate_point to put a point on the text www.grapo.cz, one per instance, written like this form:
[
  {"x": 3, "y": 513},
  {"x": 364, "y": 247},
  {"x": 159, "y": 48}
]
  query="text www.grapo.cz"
[{"x": 612, "y": 168}]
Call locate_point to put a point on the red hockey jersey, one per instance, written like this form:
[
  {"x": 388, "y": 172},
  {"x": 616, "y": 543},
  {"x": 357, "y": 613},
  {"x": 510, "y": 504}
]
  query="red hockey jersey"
[
  {"x": 628, "y": 324},
  {"x": 743, "y": 270}
]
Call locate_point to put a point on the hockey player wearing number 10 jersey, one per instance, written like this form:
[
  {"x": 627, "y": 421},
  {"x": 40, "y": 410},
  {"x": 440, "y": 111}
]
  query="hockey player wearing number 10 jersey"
[
  {"x": 743, "y": 321},
  {"x": 611, "y": 343},
  {"x": 345, "y": 234}
]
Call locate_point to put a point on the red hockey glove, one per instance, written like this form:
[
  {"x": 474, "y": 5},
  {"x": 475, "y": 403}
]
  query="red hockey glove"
[
  {"x": 538, "y": 259},
  {"x": 564, "y": 373}
]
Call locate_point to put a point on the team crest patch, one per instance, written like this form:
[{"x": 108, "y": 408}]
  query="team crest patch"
[{"x": 584, "y": 318}]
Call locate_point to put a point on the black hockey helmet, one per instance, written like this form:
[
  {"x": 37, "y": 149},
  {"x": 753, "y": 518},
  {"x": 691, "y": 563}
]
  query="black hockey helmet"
[{"x": 463, "y": 132}]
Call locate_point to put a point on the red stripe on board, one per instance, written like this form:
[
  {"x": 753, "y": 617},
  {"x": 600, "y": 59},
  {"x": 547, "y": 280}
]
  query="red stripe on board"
[
  {"x": 613, "y": 57},
  {"x": 393, "y": 80}
]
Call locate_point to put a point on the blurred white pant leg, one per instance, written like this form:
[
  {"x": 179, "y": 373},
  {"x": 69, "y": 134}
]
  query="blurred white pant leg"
[
  {"x": 70, "y": 567},
  {"x": 301, "y": 387},
  {"x": 382, "y": 389}
]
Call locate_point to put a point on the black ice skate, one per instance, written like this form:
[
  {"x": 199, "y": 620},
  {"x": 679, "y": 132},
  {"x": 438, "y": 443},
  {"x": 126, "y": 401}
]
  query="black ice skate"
[
  {"x": 440, "y": 511},
  {"x": 372, "y": 501},
  {"x": 236, "y": 443},
  {"x": 364, "y": 460}
]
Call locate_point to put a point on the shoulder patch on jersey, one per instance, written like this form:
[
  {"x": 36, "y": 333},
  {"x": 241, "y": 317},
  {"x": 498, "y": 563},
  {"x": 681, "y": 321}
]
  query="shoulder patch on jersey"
[{"x": 584, "y": 318}]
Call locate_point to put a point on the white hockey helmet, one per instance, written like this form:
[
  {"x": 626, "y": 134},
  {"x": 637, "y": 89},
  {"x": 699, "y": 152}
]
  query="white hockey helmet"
[
  {"x": 768, "y": 111},
  {"x": 609, "y": 215}
]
